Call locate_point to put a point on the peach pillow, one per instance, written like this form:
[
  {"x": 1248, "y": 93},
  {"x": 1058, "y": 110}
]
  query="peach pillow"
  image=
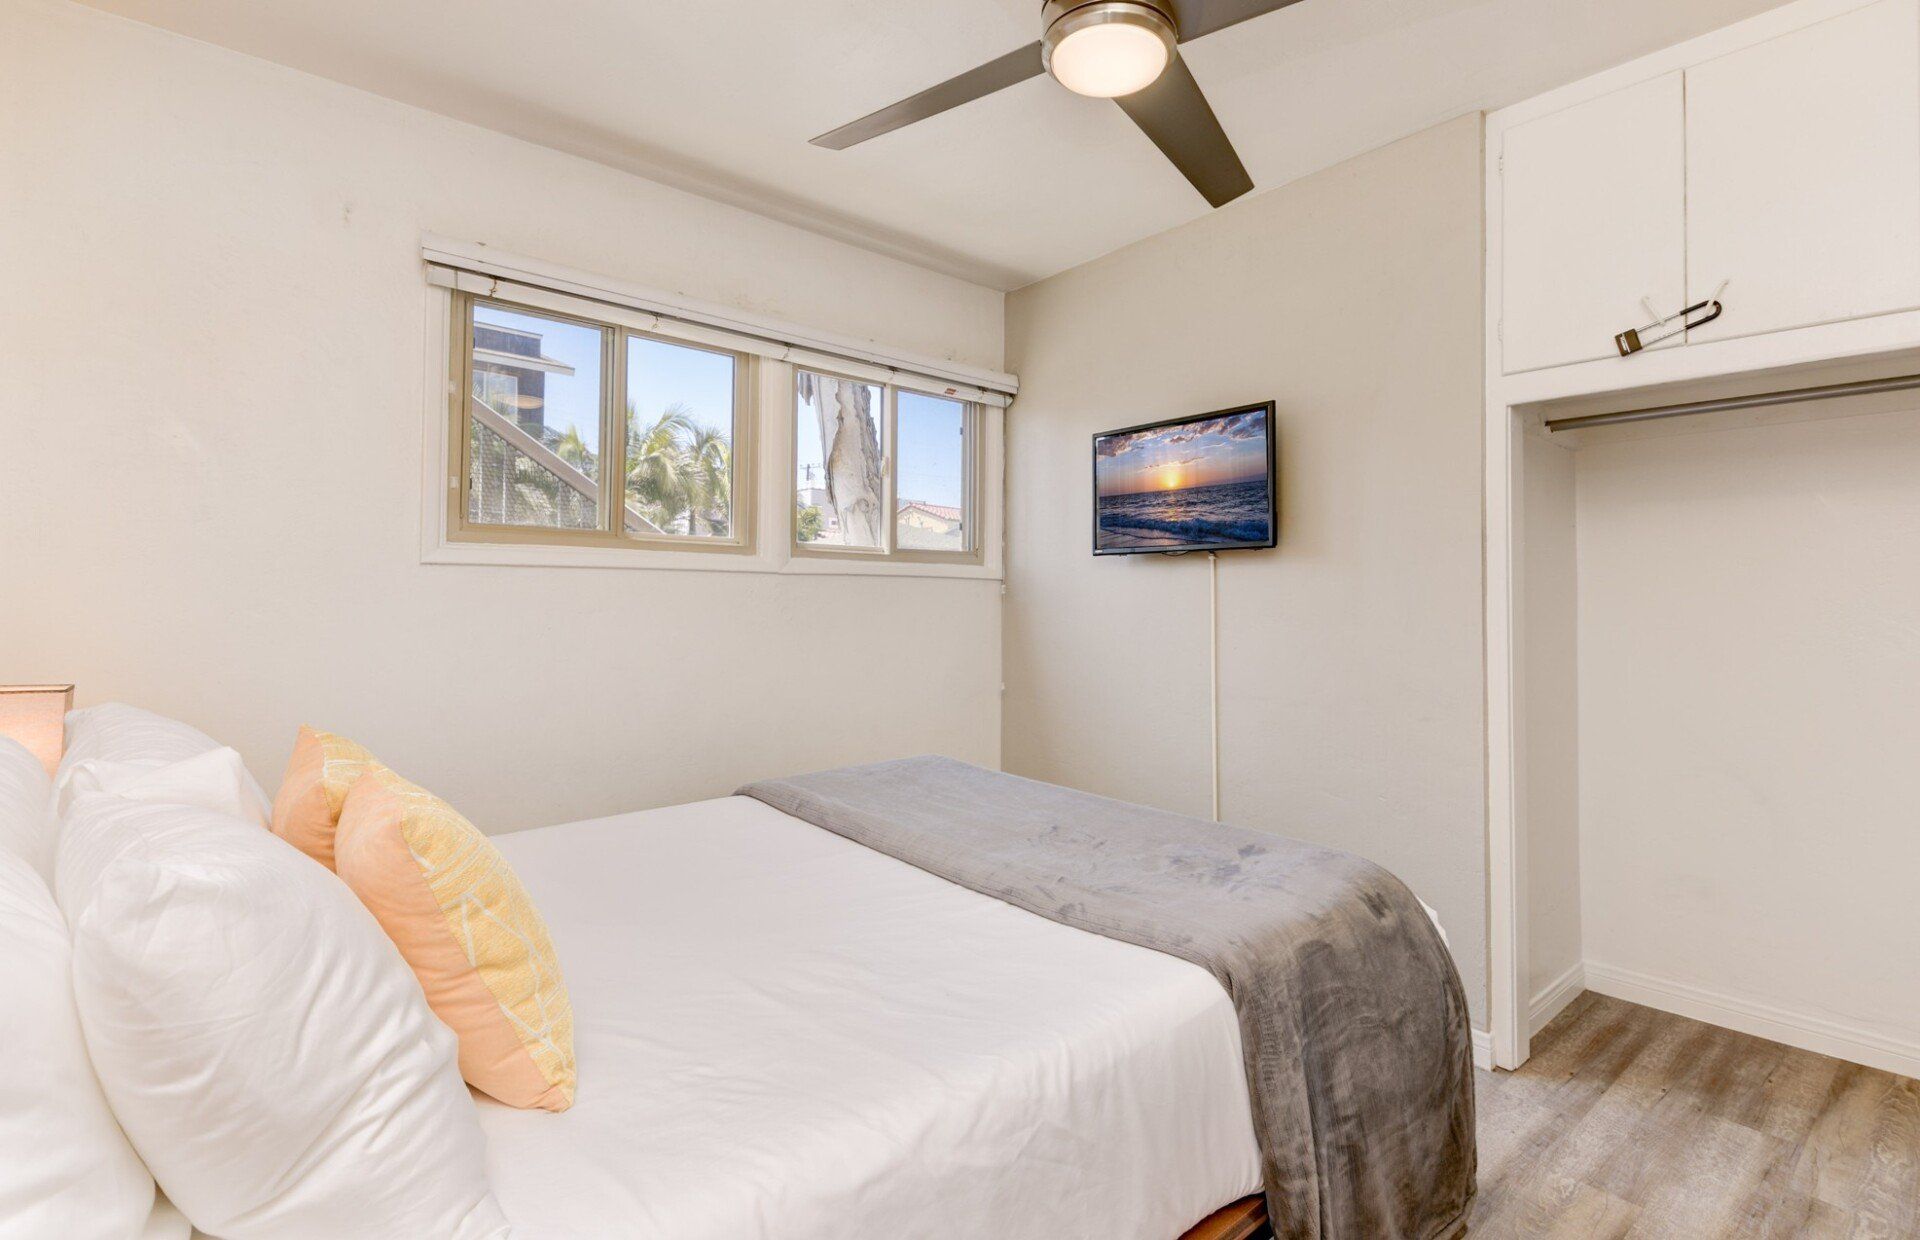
[
  {"x": 306, "y": 809},
  {"x": 461, "y": 918}
]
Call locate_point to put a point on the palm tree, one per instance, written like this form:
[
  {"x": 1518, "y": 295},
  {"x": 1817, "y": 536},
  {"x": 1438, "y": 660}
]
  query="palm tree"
[
  {"x": 573, "y": 449},
  {"x": 709, "y": 460},
  {"x": 659, "y": 480}
]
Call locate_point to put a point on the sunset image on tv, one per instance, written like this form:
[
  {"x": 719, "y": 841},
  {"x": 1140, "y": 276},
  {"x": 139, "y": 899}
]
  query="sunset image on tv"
[{"x": 1189, "y": 485}]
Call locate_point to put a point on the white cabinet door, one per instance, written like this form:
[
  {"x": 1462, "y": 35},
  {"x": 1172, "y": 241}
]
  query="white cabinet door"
[
  {"x": 1593, "y": 222},
  {"x": 1803, "y": 174}
]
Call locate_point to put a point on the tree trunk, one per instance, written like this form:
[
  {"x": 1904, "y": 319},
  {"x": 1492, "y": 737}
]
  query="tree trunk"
[{"x": 850, "y": 442}]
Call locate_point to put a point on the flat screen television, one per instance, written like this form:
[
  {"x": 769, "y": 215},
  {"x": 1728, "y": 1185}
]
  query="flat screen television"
[{"x": 1188, "y": 484}]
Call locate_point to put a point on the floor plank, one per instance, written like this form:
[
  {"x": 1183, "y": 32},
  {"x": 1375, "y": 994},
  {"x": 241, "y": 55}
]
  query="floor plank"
[{"x": 1632, "y": 1124}]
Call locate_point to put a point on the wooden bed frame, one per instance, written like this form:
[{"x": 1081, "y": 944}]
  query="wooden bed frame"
[{"x": 1245, "y": 1219}]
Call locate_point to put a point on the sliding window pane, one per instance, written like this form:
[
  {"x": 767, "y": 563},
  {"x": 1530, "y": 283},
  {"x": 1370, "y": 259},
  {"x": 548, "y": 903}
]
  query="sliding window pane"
[
  {"x": 680, "y": 420},
  {"x": 839, "y": 488},
  {"x": 931, "y": 491},
  {"x": 533, "y": 421}
]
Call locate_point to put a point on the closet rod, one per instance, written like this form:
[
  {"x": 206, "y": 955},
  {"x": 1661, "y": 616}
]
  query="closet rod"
[{"x": 1829, "y": 391}]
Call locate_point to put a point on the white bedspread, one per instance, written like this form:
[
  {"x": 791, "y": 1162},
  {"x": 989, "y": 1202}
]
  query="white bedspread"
[{"x": 783, "y": 1034}]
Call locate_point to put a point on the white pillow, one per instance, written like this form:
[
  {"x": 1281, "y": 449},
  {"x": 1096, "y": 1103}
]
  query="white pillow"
[
  {"x": 26, "y": 809},
  {"x": 116, "y": 732},
  {"x": 215, "y": 780},
  {"x": 65, "y": 1167},
  {"x": 264, "y": 1045}
]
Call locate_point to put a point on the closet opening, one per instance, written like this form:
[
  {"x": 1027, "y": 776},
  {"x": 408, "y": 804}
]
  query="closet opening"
[{"x": 1704, "y": 702}]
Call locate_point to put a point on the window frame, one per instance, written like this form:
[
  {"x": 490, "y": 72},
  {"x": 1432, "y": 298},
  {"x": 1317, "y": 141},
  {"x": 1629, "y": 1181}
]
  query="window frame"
[
  {"x": 889, "y": 552},
  {"x": 764, "y": 425},
  {"x": 611, "y": 502}
]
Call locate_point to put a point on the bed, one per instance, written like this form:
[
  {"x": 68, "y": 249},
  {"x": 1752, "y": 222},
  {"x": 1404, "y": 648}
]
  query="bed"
[
  {"x": 920, "y": 998},
  {"x": 782, "y": 1033}
]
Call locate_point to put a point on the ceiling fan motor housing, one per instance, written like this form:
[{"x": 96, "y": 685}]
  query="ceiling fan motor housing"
[
  {"x": 1065, "y": 18},
  {"x": 1123, "y": 50}
]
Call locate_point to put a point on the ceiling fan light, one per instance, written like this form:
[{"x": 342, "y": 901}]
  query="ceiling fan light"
[{"x": 1108, "y": 49}]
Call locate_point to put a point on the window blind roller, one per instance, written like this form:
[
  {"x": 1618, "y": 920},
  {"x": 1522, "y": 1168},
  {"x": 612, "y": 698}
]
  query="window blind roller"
[{"x": 485, "y": 273}]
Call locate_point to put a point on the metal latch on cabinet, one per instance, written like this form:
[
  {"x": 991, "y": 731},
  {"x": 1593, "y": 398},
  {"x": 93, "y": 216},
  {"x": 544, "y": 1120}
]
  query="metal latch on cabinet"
[{"x": 1635, "y": 339}]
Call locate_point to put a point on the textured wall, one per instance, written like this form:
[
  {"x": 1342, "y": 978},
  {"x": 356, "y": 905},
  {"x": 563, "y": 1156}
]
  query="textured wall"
[
  {"x": 211, "y": 434},
  {"x": 1352, "y": 696}
]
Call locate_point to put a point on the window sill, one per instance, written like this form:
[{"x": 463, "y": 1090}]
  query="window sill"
[
  {"x": 858, "y": 566},
  {"x": 536, "y": 555}
]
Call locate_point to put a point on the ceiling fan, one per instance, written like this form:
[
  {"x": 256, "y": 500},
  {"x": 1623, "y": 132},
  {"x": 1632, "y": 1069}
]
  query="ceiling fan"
[{"x": 1123, "y": 50}]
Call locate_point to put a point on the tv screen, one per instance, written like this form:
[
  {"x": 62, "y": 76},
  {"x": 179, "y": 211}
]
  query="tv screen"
[{"x": 1190, "y": 484}]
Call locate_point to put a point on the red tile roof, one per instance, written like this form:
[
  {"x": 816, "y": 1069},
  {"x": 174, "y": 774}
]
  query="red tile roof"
[{"x": 939, "y": 510}]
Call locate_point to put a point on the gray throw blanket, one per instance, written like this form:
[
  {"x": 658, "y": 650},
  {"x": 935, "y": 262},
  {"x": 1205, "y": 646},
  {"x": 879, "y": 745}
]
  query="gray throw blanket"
[{"x": 1354, "y": 1023}]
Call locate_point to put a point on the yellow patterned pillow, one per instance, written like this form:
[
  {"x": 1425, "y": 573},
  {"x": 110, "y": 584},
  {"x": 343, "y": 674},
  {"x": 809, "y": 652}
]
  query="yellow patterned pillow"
[
  {"x": 307, "y": 807},
  {"x": 459, "y": 915}
]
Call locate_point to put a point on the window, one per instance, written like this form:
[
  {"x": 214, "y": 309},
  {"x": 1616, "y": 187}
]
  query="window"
[
  {"x": 586, "y": 422},
  {"x": 679, "y": 420},
  {"x": 935, "y": 476},
  {"x": 577, "y": 431},
  {"x": 497, "y": 389},
  {"x": 840, "y": 486},
  {"x": 533, "y": 431},
  {"x": 881, "y": 470}
]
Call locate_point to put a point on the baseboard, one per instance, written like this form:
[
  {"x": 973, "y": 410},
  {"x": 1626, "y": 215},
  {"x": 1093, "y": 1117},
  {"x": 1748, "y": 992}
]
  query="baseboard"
[
  {"x": 1482, "y": 1050},
  {"x": 1551, "y": 1001},
  {"x": 1810, "y": 1033}
]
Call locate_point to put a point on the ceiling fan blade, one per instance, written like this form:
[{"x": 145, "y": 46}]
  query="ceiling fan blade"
[
  {"x": 1176, "y": 115},
  {"x": 1008, "y": 70},
  {"x": 1195, "y": 18}
]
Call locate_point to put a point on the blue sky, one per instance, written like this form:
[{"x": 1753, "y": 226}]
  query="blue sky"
[{"x": 659, "y": 374}]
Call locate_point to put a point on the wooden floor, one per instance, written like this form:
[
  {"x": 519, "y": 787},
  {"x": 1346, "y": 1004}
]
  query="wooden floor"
[{"x": 1632, "y": 1123}]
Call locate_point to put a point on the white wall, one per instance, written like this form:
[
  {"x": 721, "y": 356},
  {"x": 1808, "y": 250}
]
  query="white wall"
[
  {"x": 1749, "y": 612},
  {"x": 1352, "y": 700},
  {"x": 213, "y": 318},
  {"x": 1548, "y": 694}
]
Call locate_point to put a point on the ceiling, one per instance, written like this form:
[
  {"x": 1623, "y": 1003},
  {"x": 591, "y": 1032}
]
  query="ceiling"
[{"x": 720, "y": 96}]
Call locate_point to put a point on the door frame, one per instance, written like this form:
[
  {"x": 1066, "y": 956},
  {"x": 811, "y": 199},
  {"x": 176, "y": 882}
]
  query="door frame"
[{"x": 1859, "y": 348}]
